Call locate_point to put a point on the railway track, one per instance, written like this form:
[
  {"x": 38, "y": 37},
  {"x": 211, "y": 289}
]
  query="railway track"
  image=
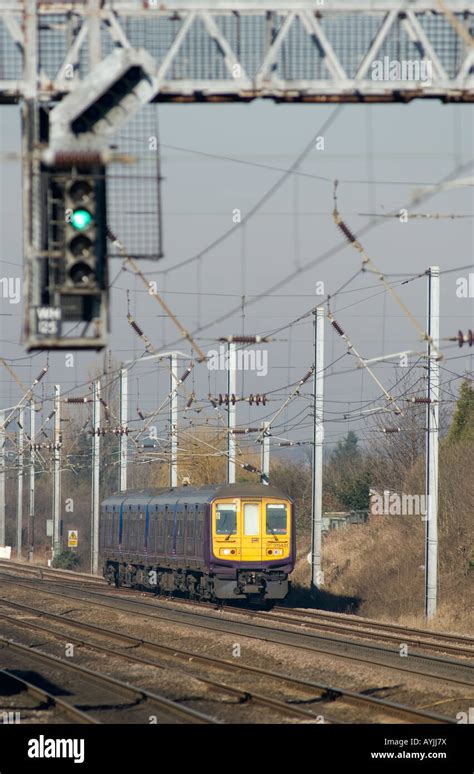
[
  {"x": 48, "y": 573},
  {"x": 242, "y": 696},
  {"x": 11, "y": 682},
  {"x": 85, "y": 678},
  {"x": 423, "y": 665},
  {"x": 455, "y": 644},
  {"x": 318, "y": 691}
]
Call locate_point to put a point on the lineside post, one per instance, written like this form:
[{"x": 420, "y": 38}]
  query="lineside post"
[
  {"x": 19, "y": 507},
  {"x": 31, "y": 510},
  {"x": 95, "y": 510},
  {"x": 432, "y": 443},
  {"x": 123, "y": 428},
  {"x": 57, "y": 472},
  {"x": 318, "y": 447}
]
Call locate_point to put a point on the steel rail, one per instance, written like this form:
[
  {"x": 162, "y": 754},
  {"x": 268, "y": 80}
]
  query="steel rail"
[
  {"x": 447, "y": 670},
  {"x": 121, "y": 687},
  {"x": 41, "y": 693},
  {"x": 331, "y": 691}
]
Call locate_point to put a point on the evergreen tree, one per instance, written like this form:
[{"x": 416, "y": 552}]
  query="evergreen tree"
[
  {"x": 348, "y": 448},
  {"x": 348, "y": 474},
  {"x": 462, "y": 426}
]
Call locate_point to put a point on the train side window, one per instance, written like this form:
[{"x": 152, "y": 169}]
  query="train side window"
[
  {"x": 251, "y": 519},
  {"x": 276, "y": 519},
  {"x": 226, "y": 519}
]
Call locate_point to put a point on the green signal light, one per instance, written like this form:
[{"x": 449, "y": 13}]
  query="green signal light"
[{"x": 81, "y": 219}]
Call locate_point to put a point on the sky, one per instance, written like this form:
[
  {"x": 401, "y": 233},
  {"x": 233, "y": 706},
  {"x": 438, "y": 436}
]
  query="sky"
[{"x": 217, "y": 159}]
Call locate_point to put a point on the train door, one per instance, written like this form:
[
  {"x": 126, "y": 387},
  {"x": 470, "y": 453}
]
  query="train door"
[{"x": 251, "y": 531}]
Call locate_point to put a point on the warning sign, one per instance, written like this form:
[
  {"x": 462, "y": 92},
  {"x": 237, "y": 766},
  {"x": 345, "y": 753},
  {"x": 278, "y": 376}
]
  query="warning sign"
[{"x": 72, "y": 538}]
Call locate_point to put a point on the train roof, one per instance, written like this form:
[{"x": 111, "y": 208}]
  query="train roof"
[{"x": 193, "y": 494}]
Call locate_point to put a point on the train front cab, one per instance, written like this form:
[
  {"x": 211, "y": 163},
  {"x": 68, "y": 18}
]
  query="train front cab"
[{"x": 252, "y": 547}]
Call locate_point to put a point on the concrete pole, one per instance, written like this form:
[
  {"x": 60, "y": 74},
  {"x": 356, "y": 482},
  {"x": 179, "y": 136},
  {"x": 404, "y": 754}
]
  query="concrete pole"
[
  {"x": 174, "y": 421},
  {"x": 95, "y": 478},
  {"x": 318, "y": 447},
  {"x": 123, "y": 425},
  {"x": 31, "y": 514},
  {"x": 432, "y": 440},
  {"x": 265, "y": 454},
  {"x": 19, "y": 507},
  {"x": 2, "y": 479},
  {"x": 231, "y": 410},
  {"x": 57, "y": 472}
]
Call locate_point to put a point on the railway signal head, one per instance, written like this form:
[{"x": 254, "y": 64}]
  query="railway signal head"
[{"x": 85, "y": 233}]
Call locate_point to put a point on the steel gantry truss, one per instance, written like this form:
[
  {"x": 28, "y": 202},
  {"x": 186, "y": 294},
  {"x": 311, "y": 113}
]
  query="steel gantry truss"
[{"x": 297, "y": 50}]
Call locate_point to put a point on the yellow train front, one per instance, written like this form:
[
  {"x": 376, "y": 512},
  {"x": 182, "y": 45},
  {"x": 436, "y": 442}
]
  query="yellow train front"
[{"x": 234, "y": 541}]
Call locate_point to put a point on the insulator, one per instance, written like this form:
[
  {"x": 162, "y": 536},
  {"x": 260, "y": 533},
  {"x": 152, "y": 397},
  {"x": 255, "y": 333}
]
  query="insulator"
[
  {"x": 306, "y": 377},
  {"x": 50, "y": 416},
  {"x": 190, "y": 401},
  {"x": 244, "y": 339},
  {"x": 76, "y": 400},
  {"x": 220, "y": 399},
  {"x": 213, "y": 402},
  {"x": 186, "y": 374},
  {"x": 346, "y": 231},
  {"x": 40, "y": 375},
  {"x": 337, "y": 327},
  {"x": 286, "y": 443},
  {"x": 136, "y": 327},
  {"x": 250, "y": 468},
  {"x": 419, "y": 400},
  {"x": 77, "y": 158},
  {"x": 140, "y": 414},
  {"x": 465, "y": 339},
  {"x": 111, "y": 234},
  {"x": 233, "y": 399},
  {"x": 103, "y": 403},
  {"x": 264, "y": 400},
  {"x": 251, "y": 399},
  {"x": 390, "y": 429}
]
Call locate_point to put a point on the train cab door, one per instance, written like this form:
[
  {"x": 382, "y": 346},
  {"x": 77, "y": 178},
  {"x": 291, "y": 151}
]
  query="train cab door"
[{"x": 251, "y": 531}]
